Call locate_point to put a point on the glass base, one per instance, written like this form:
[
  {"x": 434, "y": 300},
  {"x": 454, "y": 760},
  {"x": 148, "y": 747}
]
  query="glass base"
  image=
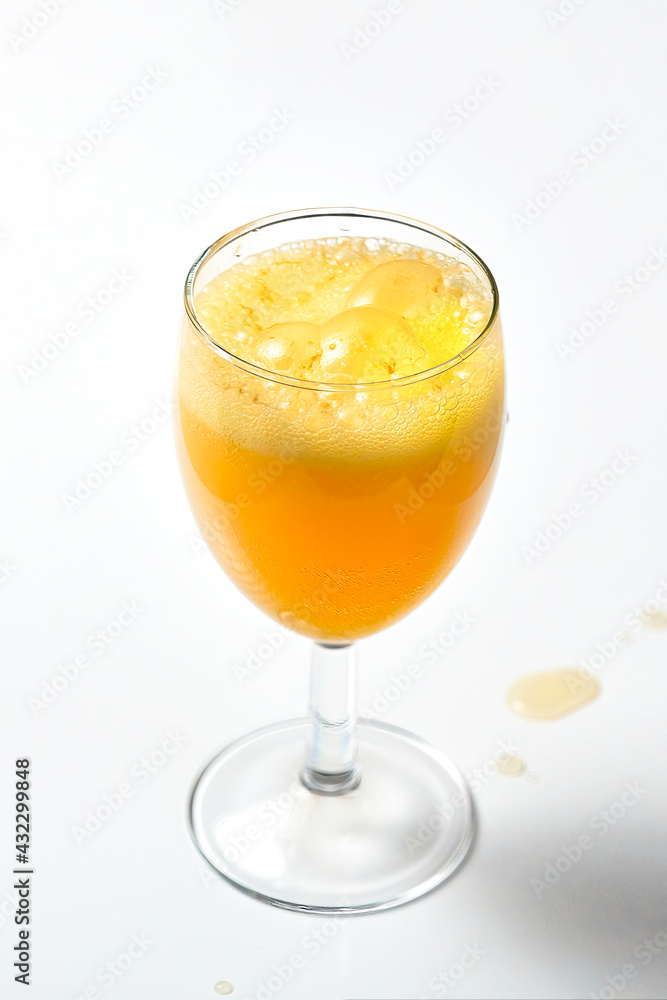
[{"x": 402, "y": 831}]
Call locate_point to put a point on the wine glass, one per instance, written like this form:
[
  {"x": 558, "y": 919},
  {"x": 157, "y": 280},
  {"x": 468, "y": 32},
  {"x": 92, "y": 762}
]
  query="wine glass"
[{"x": 336, "y": 508}]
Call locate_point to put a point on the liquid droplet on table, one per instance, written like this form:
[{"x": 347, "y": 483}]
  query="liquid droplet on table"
[
  {"x": 552, "y": 694},
  {"x": 223, "y": 988},
  {"x": 511, "y": 767}
]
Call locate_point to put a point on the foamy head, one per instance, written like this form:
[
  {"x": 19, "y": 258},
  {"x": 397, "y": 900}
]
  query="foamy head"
[
  {"x": 342, "y": 311},
  {"x": 345, "y": 310}
]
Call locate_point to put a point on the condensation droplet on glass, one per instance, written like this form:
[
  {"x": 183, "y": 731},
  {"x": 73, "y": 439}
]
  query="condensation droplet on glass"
[
  {"x": 431, "y": 407},
  {"x": 479, "y": 377},
  {"x": 388, "y": 412}
]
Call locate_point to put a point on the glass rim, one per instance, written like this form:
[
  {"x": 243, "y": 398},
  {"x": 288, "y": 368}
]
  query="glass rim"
[{"x": 300, "y": 383}]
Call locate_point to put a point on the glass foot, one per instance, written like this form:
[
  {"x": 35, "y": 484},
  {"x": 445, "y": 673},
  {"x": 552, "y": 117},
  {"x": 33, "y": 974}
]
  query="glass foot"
[{"x": 404, "y": 830}]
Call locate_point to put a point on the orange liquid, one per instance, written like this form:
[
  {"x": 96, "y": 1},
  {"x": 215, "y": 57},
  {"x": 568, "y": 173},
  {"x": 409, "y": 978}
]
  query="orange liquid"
[{"x": 336, "y": 513}]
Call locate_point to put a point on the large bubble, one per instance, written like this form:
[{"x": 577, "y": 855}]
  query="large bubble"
[
  {"x": 368, "y": 344},
  {"x": 287, "y": 347},
  {"x": 403, "y": 286}
]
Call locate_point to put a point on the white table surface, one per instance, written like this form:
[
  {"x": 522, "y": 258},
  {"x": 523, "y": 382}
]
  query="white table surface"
[{"x": 217, "y": 77}]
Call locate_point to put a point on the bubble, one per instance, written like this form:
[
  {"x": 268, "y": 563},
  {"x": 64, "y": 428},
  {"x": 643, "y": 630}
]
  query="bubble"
[
  {"x": 479, "y": 377},
  {"x": 388, "y": 412},
  {"x": 287, "y": 347},
  {"x": 401, "y": 285},
  {"x": 351, "y": 414},
  {"x": 320, "y": 416},
  {"x": 431, "y": 406},
  {"x": 367, "y": 344}
]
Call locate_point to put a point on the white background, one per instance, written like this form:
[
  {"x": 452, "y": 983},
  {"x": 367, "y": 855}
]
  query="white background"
[{"x": 356, "y": 111}]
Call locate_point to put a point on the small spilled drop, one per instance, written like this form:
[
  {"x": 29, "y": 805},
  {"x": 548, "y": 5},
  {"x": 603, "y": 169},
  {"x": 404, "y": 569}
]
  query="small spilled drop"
[
  {"x": 552, "y": 694},
  {"x": 511, "y": 767}
]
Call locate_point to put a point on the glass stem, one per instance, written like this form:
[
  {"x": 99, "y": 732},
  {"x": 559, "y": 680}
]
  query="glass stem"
[{"x": 331, "y": 767}]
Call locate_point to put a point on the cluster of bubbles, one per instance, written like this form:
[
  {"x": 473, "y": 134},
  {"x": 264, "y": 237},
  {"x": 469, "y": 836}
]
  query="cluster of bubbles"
[
  {"x": 352, "y": 320},
  {"x": 376, "y": 337}
]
